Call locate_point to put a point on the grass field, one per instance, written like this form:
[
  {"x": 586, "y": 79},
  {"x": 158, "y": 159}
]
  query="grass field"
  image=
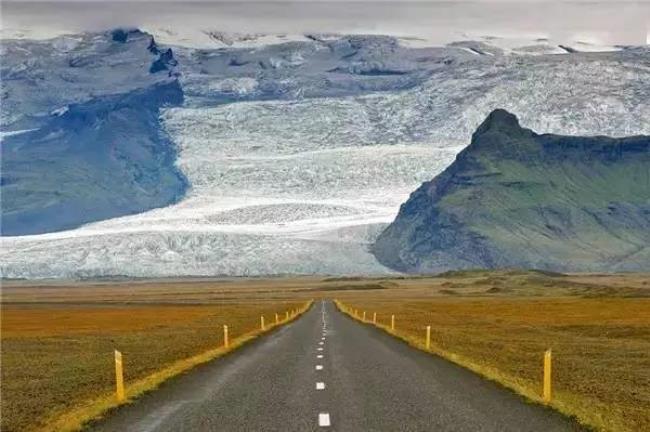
[
  {"x": 601, "y": 348},
  {"x": 57, "y": 358},
  {"x": 58, "y": 337}
]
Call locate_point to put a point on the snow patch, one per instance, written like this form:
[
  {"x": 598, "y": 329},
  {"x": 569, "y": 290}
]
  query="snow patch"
[{"x": 60, "y": 111}]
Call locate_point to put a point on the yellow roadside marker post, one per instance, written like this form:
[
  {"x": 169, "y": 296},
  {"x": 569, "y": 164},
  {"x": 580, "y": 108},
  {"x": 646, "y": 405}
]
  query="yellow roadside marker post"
[
  {"x": 119, "y": 377},
  {"x": 374, "y": 317},
  {"x": 286, "y": 316},
  {"x": 392, "y": 322},
  {"x": 262, "y": 322},
  {"x": 428, "y": 337},
  {"x": 547, "y": 376},
  {"x": 225, "y": 336},
  {"x": 364, "y": 316},
  {"x": 277, "y": 319}
]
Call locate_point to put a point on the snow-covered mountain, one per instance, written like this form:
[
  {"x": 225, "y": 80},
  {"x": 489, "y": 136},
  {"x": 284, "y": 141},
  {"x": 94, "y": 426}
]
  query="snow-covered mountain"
[{"x": 281, "y": 156}]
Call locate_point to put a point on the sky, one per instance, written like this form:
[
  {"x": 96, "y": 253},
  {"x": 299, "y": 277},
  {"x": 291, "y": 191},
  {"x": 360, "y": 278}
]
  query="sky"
[
  {"x": 608, "y": 22},
  {"x": 329, "y": 1}
]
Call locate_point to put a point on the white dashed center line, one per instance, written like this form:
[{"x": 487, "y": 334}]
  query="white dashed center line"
[{"x": 324, "y": 420}]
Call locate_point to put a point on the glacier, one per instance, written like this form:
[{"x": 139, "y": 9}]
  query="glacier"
[{"x": 298, "y": 153}]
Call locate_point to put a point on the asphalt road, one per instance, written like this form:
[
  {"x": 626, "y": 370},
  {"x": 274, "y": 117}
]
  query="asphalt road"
[{"x": 326, "y": 369}]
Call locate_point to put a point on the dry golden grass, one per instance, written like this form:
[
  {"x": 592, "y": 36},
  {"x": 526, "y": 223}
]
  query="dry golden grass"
[
  {"x": 58, "y": 337},
  {"x": 57, "y": 359},
  {"x": 601, "y": 347}
]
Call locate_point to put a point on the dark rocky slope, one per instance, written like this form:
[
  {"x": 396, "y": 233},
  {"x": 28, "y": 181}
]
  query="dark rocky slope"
[
  {"x": 514, "y": 198},
  {"x": 102, "y": 152}
]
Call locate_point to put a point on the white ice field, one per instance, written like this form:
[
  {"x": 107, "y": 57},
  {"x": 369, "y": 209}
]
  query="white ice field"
[{"x": 263, "y": 200}]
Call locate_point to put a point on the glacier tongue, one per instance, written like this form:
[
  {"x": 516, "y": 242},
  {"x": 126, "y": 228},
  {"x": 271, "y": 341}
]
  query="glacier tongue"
[
  {"x": 313, "y": 212},
  {"x": 304, "y": 184}
]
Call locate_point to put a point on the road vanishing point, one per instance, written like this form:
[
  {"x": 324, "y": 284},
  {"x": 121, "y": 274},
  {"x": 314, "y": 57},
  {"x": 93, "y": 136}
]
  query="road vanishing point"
[{"x": 326, "y": 371}]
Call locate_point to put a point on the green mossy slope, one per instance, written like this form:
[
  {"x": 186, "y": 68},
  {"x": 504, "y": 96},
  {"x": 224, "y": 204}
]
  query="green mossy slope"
[{"x": 514, "y": 198}]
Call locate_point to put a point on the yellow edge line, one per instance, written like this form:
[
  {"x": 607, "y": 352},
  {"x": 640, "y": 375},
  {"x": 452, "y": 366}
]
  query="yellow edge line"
[
  {"x": 585, "y": 418},
  {"x": 75, "y": 419}
]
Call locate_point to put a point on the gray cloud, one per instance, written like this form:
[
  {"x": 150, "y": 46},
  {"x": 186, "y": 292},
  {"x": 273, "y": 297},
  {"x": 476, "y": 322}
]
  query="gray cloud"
[{"x": 612, "y": 22}]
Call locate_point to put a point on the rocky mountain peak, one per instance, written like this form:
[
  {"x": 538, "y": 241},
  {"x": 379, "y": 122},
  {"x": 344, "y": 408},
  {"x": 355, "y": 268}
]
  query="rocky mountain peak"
[
  {"x": 499, "y": 119},
  {"x": 500, "y": 135},
  {"x": 122, "y": 35}
]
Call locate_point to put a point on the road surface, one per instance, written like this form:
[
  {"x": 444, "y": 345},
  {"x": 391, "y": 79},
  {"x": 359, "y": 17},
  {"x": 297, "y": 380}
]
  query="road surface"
[{"x": 327, "y": 372}]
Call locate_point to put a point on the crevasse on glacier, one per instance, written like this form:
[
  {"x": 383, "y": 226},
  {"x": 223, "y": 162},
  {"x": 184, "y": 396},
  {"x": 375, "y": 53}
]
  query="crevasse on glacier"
[{"x": 297, "y": 154}]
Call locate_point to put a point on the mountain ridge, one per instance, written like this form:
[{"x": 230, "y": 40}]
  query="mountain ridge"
[
  {"x": 111, "y": 160},
  {"x": 102, "y": 153},
  {"x": 514, "y": 198}
]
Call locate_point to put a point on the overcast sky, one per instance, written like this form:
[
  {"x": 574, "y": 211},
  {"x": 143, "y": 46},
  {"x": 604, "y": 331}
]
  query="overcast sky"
[
  {"x": 346, "y": 1},
  {"x": 608, "y": 22}
]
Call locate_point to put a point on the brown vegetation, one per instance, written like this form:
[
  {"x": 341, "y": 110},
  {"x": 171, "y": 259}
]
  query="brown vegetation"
[
  {"x": 58, "y": 337},
  {"x": 58, "y": 358},
  {"x": 601, "y": 347}
]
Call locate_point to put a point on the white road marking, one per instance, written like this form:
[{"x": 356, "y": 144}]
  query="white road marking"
[
  {"x": 324, "y": 420},
  {"x": 320, "y": 348},
  {"x": 320, "y": 386},
  {"x": 319, "y": 367},
  {"x": 319, "y": 356},
  {"x": 321, "y": 343},
  {"x": 323, "y": 338}
]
